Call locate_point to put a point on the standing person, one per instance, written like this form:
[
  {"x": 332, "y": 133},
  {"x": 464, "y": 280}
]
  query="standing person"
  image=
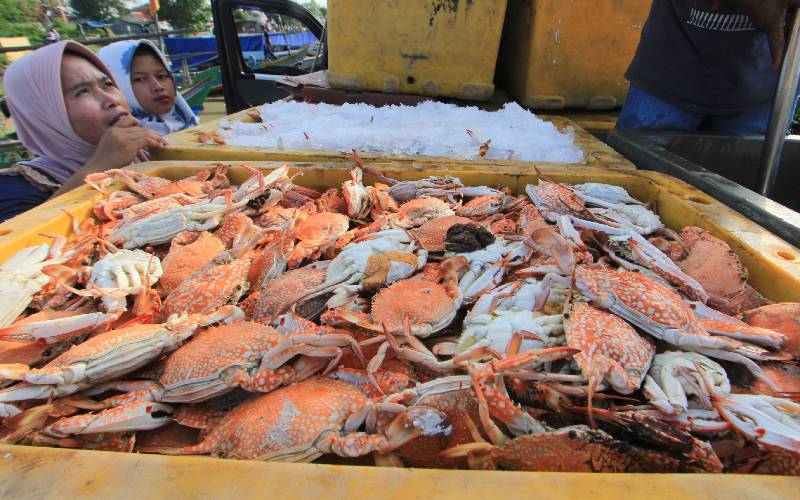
[
  {"x": 706, "y": 64},
  {"x": 69, "y": 112},
  {"x": 144, "y": 78}
]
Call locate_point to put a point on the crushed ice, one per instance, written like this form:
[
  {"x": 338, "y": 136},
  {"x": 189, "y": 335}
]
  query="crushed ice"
[{"x": 427, "y": 129}]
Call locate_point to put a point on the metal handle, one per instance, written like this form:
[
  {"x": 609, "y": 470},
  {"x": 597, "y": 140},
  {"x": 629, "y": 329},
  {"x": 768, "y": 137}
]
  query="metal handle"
[{"x": 782, "y": 107}]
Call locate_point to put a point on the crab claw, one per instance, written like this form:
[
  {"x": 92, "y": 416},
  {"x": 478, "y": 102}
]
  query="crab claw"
[
  {"x": 766, "y": 424},
  {"x": 135, "y": 416}
]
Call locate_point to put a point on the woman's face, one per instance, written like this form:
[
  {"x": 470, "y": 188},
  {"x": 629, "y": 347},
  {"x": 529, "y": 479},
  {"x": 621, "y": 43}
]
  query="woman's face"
[
  {"x": 152, "y": 84},
  {"x": 94, "y": 103}
]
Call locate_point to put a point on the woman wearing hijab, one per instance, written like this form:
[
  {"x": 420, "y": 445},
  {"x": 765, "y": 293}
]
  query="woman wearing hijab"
[
  {"x": 143, "y": 76},
  {"x": 69, "y": 112}
]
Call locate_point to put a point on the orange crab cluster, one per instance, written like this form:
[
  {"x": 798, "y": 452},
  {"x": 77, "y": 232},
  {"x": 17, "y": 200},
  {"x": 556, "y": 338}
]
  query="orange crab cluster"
[{"x": 418, "y": 323}]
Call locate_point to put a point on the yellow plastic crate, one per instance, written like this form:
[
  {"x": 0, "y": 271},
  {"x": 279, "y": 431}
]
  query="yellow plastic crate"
[
  {"x": 569, "y": 53},
  {"x": 185, "y": 146},
  {"x": 435, "y": 48},
  {"x": 774, "y": 268}
]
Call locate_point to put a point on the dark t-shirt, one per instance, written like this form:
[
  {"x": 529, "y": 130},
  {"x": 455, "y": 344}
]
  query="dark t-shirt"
[{"x": 703, "y": 56}]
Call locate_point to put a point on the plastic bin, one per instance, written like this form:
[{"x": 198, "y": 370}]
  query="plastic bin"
[
  {"x": 569, "y": 53},
  {"x": 185, "y": 146},
  {"x": 774, "y": 269},
  {"x": 435, "y": 48}
]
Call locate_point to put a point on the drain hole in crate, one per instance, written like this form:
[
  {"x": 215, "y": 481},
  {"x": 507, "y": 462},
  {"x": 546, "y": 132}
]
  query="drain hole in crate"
[
  {"x": 410, "y": 80},
  {"x": 698, "y": 199},
  {"x": 786, "y": 255}
]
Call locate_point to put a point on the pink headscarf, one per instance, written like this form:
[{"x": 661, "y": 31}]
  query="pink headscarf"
[{"x": 36, "y": 101}]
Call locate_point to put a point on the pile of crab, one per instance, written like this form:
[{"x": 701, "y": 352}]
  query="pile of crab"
[{"x": 420, "y": 323}]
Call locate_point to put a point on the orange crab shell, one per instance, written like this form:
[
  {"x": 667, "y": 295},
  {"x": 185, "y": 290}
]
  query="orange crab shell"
[
  {"x": 712, "y": 263},
  {"x": 658, "y": 302},
  {"x": 290, "y": 417},
  {"x": 420, "y": 210},
  {"x": 566, "y": 451},
  {"x": 209, "y": 288},
  {"x": 607, "y": 342},
  {"x": 558, "y": 198},
  {"x": 281, "y": 293},
  {"x": 431, "y": 234},
  {"x": 240, "y": 343},
  {"x": 322, "y": 226},
  {"x": 422, "y": 302},
  {"x": 183, "y": 260},
  {"x": 783, "y": 317}
]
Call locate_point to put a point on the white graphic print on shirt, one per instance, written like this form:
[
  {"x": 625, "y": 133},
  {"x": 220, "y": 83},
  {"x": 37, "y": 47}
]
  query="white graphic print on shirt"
[{"x": 720, "y": 22}]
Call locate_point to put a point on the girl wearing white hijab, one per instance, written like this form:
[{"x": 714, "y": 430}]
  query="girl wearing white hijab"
[{"x": 143, "y": 76}]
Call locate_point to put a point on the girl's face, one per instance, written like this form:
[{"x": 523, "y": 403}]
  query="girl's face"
[
  {"x": 152, "y": 84},
  {"x": 94, "y": 103}
]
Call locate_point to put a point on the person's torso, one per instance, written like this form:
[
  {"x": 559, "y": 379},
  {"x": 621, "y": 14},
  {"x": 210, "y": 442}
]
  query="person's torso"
[{"x": 704, "y": 56}]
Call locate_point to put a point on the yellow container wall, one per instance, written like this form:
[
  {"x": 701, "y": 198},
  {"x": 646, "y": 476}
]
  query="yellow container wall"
[
  {"x": 436, "y": 48},
  {"x": 569, "y": 53},
  {"x": 774, "y": 268},
  {"x": 185, "y": 146},
  {"x": 29, "y": 472}
]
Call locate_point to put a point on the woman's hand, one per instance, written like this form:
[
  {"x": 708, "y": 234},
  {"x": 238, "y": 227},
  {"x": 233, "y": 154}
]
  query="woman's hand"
[
  {"x": 119, "y": 145},
  {"x": 117, "y": 148}
]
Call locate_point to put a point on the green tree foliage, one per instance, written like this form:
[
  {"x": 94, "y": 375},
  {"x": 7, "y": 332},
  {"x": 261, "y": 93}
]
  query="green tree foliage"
[
  {"x": 100, "y": 10},
  {"x": 319, "y": 11},
  {"x": 185, "y": 13},
  {"x": 21, "y": 18}
]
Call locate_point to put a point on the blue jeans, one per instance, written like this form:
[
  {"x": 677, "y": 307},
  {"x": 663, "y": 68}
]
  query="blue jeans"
[
  {"x": 18, "y": 195},
  {"x": 645, "y": 111}
]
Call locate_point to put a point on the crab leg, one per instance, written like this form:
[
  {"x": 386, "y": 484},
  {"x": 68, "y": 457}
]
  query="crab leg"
[
  {"x": 410, "y": 424},
  {"x": 488, "y": 379}
]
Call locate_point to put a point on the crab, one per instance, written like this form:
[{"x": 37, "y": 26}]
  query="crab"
[
  {"x": 431, "y": 234},
  {"x": 347, "y": 271},
  {"x": 152, "y": 187},
  {"x": 221, "y": 281},
  {"x": 487, "y": 380},
  {"x": 676, "y": 375},
  {"x": 123, "y": 273},
  {"x": 242, "y": 354},
  {"x": 597, "y": 193},
  {"x": 182, "y": 260},
  {"x": 553, "y": 199},
  {"x": 418, "y": 211},
  {"x": 514, "y": 307},
  {"x": 611, "y": 351},
  {"x": 783, "y": 317},
  {"x": 199, "y": 216},
  {"x": 718, "y": 323},
  {"x": 452, "y": 396},
  {"x": 641, "y": 255},
  {"x": 316, "y": 232},
  {"x": 51, "y": 327},
  {"x": 659, "y": 310},
  {"x": 768, "y": 421},
  {"x": 288, "y": 291},
  {"x": 105, "y": 356},
  {"x": 24, "y": 275},
  {"x": 112, "y": 207},
  {"x": 356, "y": 195},
  {"x": 303, "y": 421},
  {"x": 483, "y": 206},
  {"x": 427, "y": 306},
  {"x": 712, "y": 262},
  {"x": 487, "y": 266}
]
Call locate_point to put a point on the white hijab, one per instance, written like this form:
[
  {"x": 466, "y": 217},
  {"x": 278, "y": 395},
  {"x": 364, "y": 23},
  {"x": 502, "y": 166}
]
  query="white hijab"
[{"x": 119, "y": 57}]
